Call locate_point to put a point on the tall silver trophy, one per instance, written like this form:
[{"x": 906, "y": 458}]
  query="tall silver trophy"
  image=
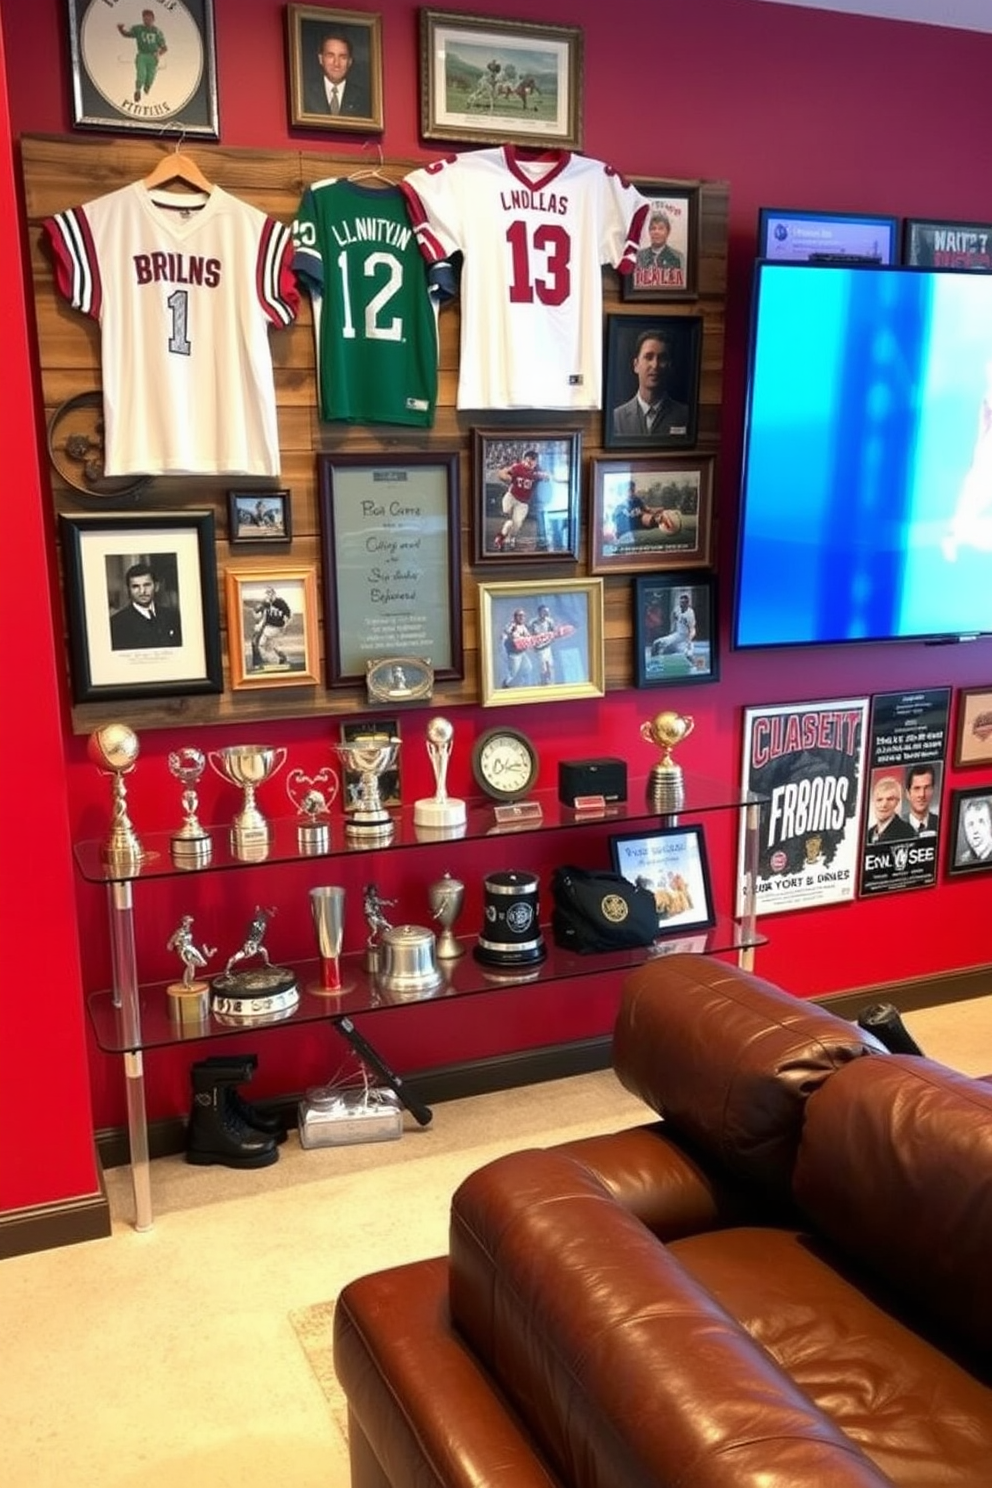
[
  {"x": 446, "y": 898},
  {"x": 369, "y": 756},
  {"x": 665, "y": 787},
  {"x": 190, "y": 845},
  {"x": 114, "y": 750},
  {"x": 441, "y": 814},
  {"x": 327, "y": 911},
  {"x": 248, "y": 766},
  {"x": 312, "y": 796}
]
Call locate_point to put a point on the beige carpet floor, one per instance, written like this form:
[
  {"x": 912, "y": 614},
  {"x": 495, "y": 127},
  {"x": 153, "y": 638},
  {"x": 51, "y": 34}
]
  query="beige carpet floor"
[{"x": 194, "y": 1356}]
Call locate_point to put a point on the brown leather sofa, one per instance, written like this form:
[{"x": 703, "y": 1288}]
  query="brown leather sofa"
[{"x": 785, "y": 1282}]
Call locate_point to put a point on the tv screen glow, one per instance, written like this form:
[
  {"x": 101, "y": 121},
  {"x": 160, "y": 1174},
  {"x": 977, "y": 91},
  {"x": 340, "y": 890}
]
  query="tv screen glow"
[{"x": 867, "y": 485}]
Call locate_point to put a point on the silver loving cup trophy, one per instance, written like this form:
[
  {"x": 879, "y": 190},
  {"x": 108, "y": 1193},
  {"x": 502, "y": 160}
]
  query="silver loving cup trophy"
[
  {"x": 327, "y": 909},
  {"x": 369, "y": 756},
  {"x": 312, "y": 796},
  {"x": 440, "y": 811},
  {"x": 114, "y": 749},
  {"x": 665, "y": 787},
  {"x": 191, "y": 845},
  {"x": 446, "y": 898},
  {"x": 248, "y": 766}
]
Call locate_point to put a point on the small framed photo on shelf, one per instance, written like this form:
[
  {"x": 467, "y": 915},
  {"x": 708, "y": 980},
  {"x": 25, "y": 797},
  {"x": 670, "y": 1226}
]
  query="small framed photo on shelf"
[
  {"x": 652, "y": 381},
  {"x": 948, "y": 245},
  {"x": 675, "y": 630},
  {"x": 650, "y": 512},
  {"x": 526, "y": 490},
  {"x": 255, "y": 517},
  {"x": 974, "y": 736},
  {"x": 542, "y": 641},
  {"x": 970, "y": 841},
  {"x": 488, "y": 81},
  {"x": 671, "y": 863},
  {"x": 827, "y": 237},
  {"x": 151, "y": 71},
  {"x": 141, "y": 605},
  {"x": 272, "y": 625},
  {"x": 335, "y": 69},
  {"x": 667, "y": 262}
]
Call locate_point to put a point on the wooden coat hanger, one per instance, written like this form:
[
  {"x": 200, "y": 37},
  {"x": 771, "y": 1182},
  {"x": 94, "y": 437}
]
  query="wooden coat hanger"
[
  {"x": 371, "y": 172},
  {"x": 178, "y": 167}
]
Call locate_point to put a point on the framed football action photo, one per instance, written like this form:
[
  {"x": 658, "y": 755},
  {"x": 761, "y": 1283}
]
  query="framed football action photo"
[
  {"x": 974, "y": 735},
  {"x": 526, "y": 490},
  {"x": 541, "y": 642},
  {"x": 258, "y": 517},
  {"x": 667, "y": 262},
  {"x": 272, "y": 625},
  {"x": 671, "y": 863},
  {"x": 675, "y": 630},
  {"x": 651, "y": 396},
  {"x": 970, "y": 842},
  {"x": 335, "y": 69},
  {"x": 650, "y": 512}
]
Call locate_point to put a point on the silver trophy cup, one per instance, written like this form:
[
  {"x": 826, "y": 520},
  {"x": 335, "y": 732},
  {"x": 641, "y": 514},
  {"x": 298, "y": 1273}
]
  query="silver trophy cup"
[
  {"x": 190, "y": 845},
  {"x": 248, "y": 766},
  {"x": 369, "y": 756}
]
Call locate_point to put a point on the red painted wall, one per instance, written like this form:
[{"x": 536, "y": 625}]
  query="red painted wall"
[{"x": 792, "y": 107}]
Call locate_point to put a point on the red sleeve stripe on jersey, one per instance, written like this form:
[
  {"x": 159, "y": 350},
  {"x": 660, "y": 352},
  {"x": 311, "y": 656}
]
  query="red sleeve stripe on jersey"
[
  {"x": 633, "y": 239},
  {"x": 76, "y": 268},
  {"x": 430, "y": 246},
  {"x": 276, "y": 284}
]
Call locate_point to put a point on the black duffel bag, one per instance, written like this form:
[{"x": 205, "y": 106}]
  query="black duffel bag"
[{"x": 600, "y": 911}]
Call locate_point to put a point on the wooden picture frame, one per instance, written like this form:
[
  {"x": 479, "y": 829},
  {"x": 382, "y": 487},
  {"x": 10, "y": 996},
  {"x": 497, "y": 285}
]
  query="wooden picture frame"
[
  {"x": 489, "y": 81},
  {"x": 655, "y": 358},
  {"x": 124, "y": 84},
  {"x": 973, "y": 742},
  {"x": 391, "y": 551},
  {"x": 272, "y": 625},
  {"x": 808, "y": 237},
  {"x": 969, "y": 842},
  {"x": 111, "y": 562},
  {"x": 255, "y": 518},
  {"x": 934, "y": 244},
  {"x": 650, "y": 512},
  {"x": 351, "y": 43},
  {"x": 530, "y": 512},
  {"x": 671, "y": 862},
  {"x": 667, "y": 262},
  {"x": 676, "y": 638},
  {"x": 517, "y": 666}
]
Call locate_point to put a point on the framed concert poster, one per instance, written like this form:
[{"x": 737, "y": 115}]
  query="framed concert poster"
[
  {"x": 526, "y": 495},
  {"x": 667, "y": 262},
  {"x": 541, "y": 641}
]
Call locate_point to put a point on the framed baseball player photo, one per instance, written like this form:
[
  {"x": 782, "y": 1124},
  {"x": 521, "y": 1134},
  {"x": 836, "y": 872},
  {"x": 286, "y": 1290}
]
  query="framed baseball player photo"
[
  {"x": 541, "y": 641},
  {"x": 675, "y": 629},
  {"x": 667, "y": 262},
  {"x": 272, "y": 625},
  {"x": 526, "y": 491},
  {"x": 651, "y": 398},
  {"x": 144, "y": 66},
  {"x": 335, "y": 69},
  {"x": 650, "y": 512}
]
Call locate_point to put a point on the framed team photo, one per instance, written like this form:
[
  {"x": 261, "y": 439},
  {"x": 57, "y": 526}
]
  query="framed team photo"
[
  {"x": 541, "y": 641},
  {"x": 667, "y": 262},
  {"x": 650, "y": 512},
  {"x": 672, "y": 864},
  {"x": 651, "y": 396},
  {"x": 970, "y": 841},
  {"x": 144, "y": 66},
  {"x": 948, "y": 245},
  {"x": 141, "y": 605},
  {"x": 974, "y": 736},
  {"x": 489, "y": 81},
  {"x": 526, "y": 491},
  {"x": 255, "y": 517},
  {"x": 272, "y": 625},
  {"x": 335, "y": 69},
  {"x": 675, "y": 630}
]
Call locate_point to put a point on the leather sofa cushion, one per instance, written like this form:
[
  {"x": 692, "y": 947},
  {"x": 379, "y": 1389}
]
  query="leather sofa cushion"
[
  {"x": 728, "y": 1059},
  {"x": 895, "y": 1166}
]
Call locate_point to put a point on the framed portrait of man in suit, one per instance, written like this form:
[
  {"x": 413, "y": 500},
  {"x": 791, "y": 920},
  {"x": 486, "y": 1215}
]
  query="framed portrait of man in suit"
[
  {"x": 652, "y": 381},
  {"x": 335, "y": 69}
]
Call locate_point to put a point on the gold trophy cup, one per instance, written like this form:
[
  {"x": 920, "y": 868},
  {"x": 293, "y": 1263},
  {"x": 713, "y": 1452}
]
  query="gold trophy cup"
[{"x": 665, "y": 787}]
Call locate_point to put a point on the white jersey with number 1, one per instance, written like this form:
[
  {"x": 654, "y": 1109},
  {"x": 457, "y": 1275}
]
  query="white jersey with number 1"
[{"x": 534, "y": 234}]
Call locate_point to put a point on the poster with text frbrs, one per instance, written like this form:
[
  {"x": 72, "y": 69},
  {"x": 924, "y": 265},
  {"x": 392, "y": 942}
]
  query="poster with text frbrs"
[
  {"x": 807, "y": 760},
  {"x": 907, "y": 746}
]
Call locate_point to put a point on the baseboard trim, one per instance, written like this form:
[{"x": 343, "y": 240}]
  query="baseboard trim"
[
  {"x": 914, "y": 993},
  {"x": 50, "y": 1226}
]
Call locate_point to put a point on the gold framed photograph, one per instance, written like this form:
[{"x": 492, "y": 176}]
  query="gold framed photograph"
[
  {"x": 335, "y": 69},
  {"x": 541, "y": 642},
  {"x": 489, "y": 81},
  {"x": 272, "y": 625}
]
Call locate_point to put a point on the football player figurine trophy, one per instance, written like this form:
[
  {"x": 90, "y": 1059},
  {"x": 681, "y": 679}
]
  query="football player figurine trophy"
[
  {"x": 373, "y": 907},
  {"x": 327, "y": 909},
  {"x": 189, "y": 1000},
  {"x": 443, "y": 815},
  {"x": 114, "y": 749},
  {"x": 368, "y": 756},
  {"x": 312, "y": 796},
  {"x": 191, "y": 845},
  {"x": 445, "y": 899},
  {"x": 665, "y": 787},
  {"x": 248, "y": 766},
  {"x": 262, "y": 994}
]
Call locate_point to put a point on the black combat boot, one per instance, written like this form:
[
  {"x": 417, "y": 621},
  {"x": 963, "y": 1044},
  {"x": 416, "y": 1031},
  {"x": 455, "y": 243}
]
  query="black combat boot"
[
  {"x": 269, "y": 1122},
  {"x": 217, "y": 1133},
  {"x": 883, "y": 1020}
]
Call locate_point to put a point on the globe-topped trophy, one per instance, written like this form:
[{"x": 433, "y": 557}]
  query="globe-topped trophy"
[
  {"x": 190, "y": 845},
  {"x": 368, "y": 756},
  {"x": 440, "y": 814},
  {"x": 665, "y": 786},
  {"x": 248, "y": 766},
  {"x": 446, "y": 898},
  {"x": 114, "y": 749},
  {"x": 312, "y": 796}
]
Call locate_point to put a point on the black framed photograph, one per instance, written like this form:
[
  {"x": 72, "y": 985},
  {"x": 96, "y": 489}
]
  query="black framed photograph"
[
  {"x": 255, "y": 517},
  {"x": 526, "y": 494},
  {"x": 272, "y": 625},
  {"x": 489, "y": 81},
  {"x": 973, "y": 744},
  {"x": 650, "y": 512},
  {"x": 651, "y": 398},
  {"x": 667, "y": 262},
  {"x": 335, "y": 69},
  {"x": 827, "y": 237},
  {"x": 970, "y": 840},
  {"x": 670, "y": 862},
  {"x": 675, "y": 629},
  {"x": 144, "y": 68},
  {"x": 541, "y": 641},
  {"x": 948, "y": 245},
  {"x": 141, "y": 605},
  {"x": 391, "y": 560}
]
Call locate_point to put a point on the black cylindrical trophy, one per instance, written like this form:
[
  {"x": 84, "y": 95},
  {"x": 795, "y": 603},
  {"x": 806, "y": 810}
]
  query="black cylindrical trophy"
[{"x": 511, "y": 931}]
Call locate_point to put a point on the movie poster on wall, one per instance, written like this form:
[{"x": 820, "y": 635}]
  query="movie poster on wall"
[
  {"x": 907, "y": 750},
  {"x": 808, "y": 760}
]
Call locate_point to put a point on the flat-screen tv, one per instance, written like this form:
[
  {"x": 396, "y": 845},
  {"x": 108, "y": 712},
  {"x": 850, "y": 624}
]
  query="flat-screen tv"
[{"x": 866, "y": 509}]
